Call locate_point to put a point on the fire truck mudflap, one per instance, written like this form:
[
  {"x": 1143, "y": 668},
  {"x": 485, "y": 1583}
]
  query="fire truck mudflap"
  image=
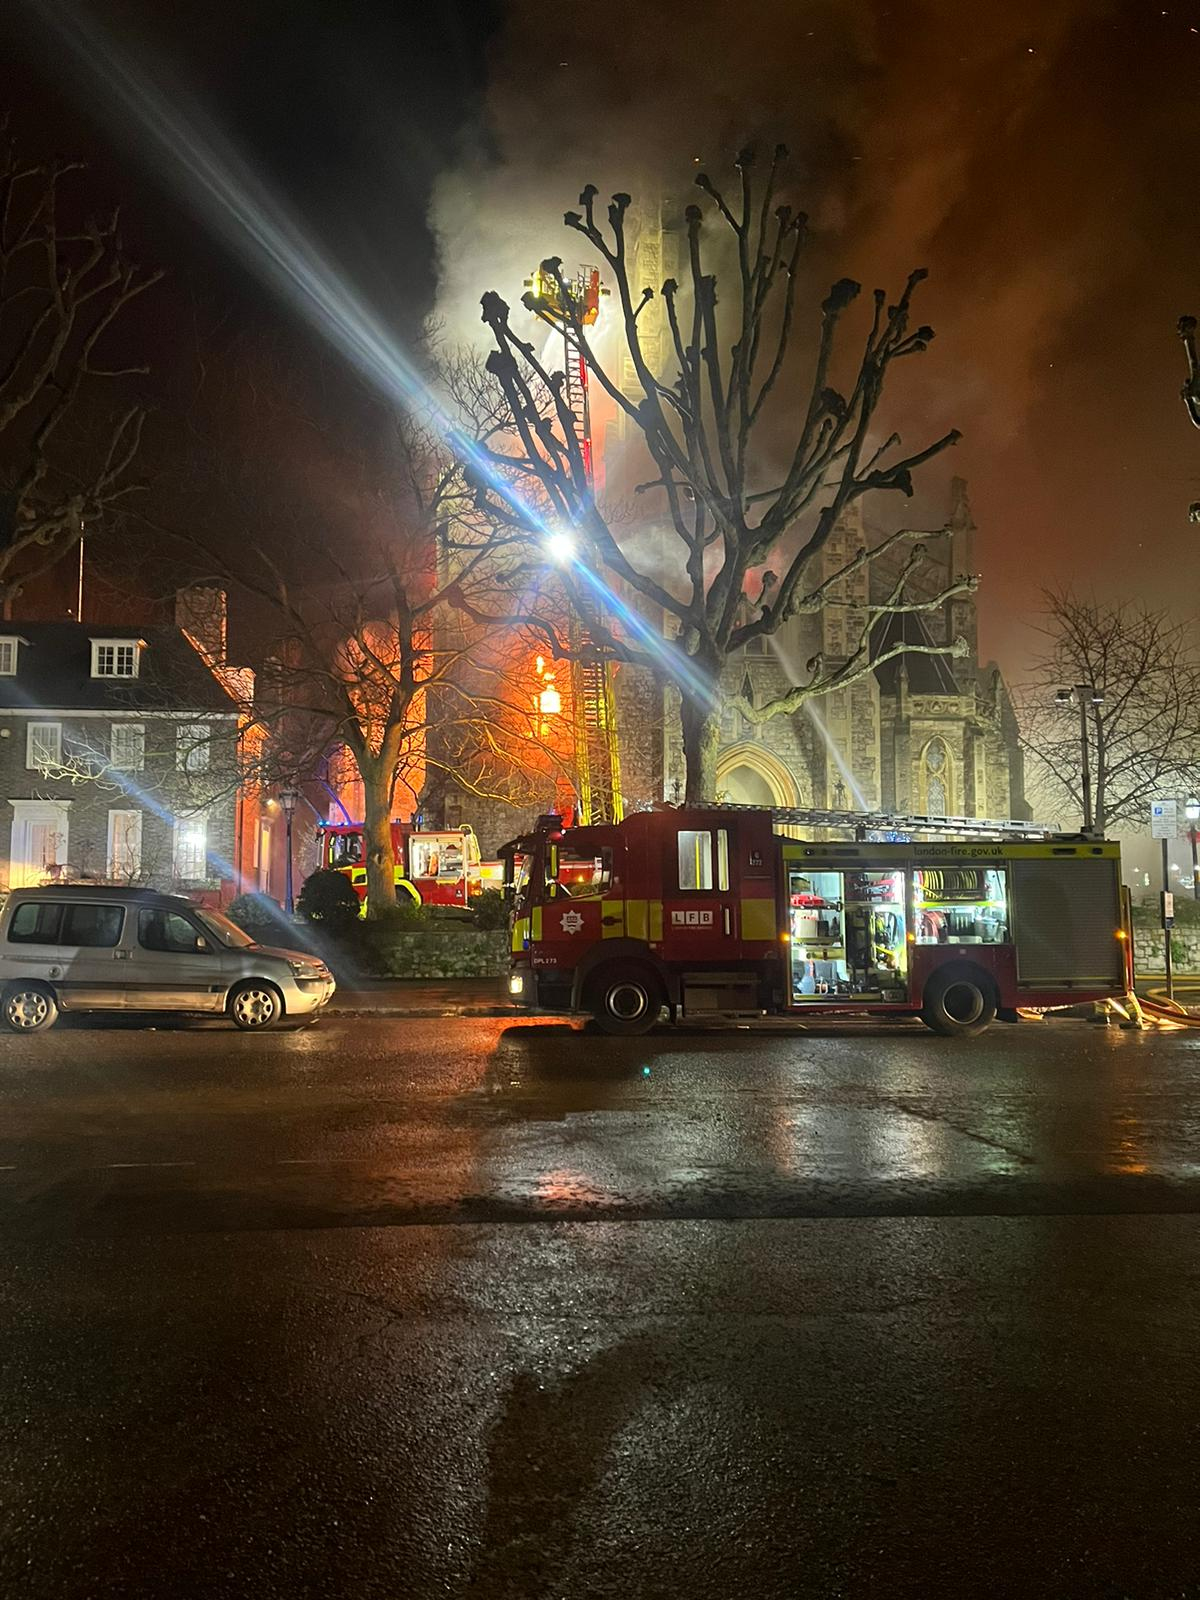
[{"x": 707, "y": 910}]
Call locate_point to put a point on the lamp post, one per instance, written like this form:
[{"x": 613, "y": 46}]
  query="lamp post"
[
  {"x": 287, "y": 799},
  {"x": 1086, "y": 696},
  {"x": 1191, "y": 811}
]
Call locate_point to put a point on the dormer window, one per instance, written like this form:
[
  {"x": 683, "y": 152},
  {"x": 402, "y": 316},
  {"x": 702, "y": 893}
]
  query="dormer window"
[
  {"x": 8, "y": 656},
  {"x": 115, "y": 658}
]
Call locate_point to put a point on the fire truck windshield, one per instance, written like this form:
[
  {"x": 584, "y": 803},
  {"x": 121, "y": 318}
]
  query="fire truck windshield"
[
  {"x": 579, "y": 871},
  {"x": 345, "y": 849}
]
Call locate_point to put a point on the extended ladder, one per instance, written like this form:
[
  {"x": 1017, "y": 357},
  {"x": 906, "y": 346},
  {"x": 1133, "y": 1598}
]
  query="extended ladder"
[
  {"x": 597, "y": 757},
  {"x": 597, "y": 752}
]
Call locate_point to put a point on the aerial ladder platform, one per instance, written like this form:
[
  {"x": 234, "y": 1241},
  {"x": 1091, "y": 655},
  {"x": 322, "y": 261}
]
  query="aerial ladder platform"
[{"x": 597, "y": 749}]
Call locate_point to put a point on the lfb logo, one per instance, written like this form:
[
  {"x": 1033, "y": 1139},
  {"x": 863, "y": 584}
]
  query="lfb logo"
[{"x": 571, "y": 922}]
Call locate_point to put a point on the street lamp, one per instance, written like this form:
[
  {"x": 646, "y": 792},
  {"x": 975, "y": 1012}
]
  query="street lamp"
[
  {"x": 1085, "y": 695},
  {"x": 1191, "y": 811},
  {"x": 288, "y": 798}
]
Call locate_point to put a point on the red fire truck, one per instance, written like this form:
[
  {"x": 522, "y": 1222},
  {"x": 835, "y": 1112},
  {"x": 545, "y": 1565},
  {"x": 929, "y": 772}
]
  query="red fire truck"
[
  {"x": 712, "y": 910},
  {"x": 441, "y": 868}
]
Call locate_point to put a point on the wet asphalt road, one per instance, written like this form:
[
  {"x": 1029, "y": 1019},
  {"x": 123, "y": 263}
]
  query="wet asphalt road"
[{"x": 403, "y": 1309}]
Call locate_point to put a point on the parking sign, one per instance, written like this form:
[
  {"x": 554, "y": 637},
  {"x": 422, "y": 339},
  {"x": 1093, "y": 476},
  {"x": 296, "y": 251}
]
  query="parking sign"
[{"x": 1164, "y": 819}]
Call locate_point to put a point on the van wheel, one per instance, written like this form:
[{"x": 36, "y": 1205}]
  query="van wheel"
[
  {"x": 255, "y": 1006},
  {"x": 959, "y": 1004},
  {"x": 626, "y": 1000},
  {"x": 29, "y": 1007}
]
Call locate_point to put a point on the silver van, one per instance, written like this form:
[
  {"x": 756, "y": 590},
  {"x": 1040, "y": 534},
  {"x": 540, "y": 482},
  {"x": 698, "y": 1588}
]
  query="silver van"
[{"x": 112, "y": 949}]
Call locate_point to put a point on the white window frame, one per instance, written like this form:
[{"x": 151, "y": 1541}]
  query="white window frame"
[
  {"x": 9, "y": 646},
  {"x": 131, "y": 821},
  {"x": 54, "y": 745},
  {"x": 138, "y": 764},
  {"x": 193, "y": 747},
  {"x": 184, "y": 850},
  {"x": 135, "y": 645}
]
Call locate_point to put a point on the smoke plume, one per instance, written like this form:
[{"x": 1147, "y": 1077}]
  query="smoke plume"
[{"x": 1036, "y": 157}]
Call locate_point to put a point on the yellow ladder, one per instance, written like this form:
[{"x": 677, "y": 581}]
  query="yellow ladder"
[{"x": 597, "y": 757}]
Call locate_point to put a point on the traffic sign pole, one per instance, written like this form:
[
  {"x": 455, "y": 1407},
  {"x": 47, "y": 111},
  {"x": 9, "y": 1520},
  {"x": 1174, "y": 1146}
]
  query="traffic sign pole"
[{"x": 1168, "y": 915}]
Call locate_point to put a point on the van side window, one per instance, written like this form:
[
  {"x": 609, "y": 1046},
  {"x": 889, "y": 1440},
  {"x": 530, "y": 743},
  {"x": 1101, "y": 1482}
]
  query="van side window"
[
  {"x": 35, "y": 922},
  {"x": 94, "y": 927},
  {"x": 167, "y": 931}
]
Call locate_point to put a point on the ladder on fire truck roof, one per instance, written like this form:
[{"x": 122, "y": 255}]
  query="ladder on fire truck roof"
[
  {"x": 862, "y": 823},
  {"x": 597, "y": 754}
]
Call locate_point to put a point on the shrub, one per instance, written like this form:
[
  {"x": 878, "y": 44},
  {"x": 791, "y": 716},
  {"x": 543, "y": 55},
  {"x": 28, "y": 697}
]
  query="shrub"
[
  {"x": 327, "y": 898},
  {"x": 261, "y": 917},
  {"x": 489, "y": 910},
  {"x": 406, "y": 916}
]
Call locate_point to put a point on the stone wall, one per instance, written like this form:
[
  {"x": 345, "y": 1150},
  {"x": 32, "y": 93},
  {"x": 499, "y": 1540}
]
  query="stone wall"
[
  {"x": 1148, "y": 949},
  {"x": 461, "y": 953}
]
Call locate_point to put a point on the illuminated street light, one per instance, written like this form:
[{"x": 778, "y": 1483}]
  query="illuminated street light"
[
  {"x": 288, "y": 798},
  {"x": 560, "y": 547},
  {"x": 550, "y": 702}
]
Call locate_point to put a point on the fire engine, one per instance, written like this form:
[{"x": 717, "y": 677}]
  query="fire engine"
[
  {"x": 715, "y": 909},
  {"x": 440, "y": 868}
]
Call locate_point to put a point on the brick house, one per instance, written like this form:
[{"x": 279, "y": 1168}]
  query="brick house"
[{"x": 120, "y": 759}]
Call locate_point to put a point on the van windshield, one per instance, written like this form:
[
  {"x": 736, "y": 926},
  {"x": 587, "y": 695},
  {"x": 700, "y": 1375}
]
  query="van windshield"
[{"x": 224, "y": 931}]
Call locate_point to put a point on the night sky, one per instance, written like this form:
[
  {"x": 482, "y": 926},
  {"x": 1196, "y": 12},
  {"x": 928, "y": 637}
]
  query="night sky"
[{"x": 1039, "y": 158}]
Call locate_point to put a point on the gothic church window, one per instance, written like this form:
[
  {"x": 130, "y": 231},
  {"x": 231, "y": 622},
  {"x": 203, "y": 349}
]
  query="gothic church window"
[{"x": 936, "y": 778}]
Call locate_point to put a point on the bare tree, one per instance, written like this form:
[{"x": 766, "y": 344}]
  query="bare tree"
[
  {"x": 1138, "y": 674},
  {"x": 750, "y": 535},
  {"x": 63, "y": 468}
]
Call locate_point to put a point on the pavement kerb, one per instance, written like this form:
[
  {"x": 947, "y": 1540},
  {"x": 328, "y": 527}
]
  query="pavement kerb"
[{"x": 386, "y": 1010}]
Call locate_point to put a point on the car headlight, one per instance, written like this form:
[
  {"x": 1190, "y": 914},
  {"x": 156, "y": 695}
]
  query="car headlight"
[
  {"x": 516, "y": 983},
  {"x": 305, "y": 969}
]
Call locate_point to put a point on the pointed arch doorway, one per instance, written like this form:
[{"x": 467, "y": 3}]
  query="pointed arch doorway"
[{"x": 748, "y": 775}]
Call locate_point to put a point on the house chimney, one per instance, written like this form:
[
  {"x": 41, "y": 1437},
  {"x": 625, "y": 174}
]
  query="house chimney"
[{"x": 201, "y": 612}]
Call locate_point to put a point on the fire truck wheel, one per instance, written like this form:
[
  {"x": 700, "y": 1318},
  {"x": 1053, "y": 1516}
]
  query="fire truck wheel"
[
  {"x": 626, "y": 999},
  {"x": 959, "y": 1004}
]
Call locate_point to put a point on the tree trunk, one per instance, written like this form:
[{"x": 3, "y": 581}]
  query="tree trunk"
[
  {"x": 377, "y": 837},
  {"x": 701, "y": 736}
]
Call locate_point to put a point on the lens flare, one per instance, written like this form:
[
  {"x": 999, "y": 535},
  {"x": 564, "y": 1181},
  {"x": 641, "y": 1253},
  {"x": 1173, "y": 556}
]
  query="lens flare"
[{"x": 204, "y": 166}]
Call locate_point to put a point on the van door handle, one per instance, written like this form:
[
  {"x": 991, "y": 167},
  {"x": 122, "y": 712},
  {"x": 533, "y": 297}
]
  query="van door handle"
[
  {"x": 728, "y": 920},
  {"x": 121, "y": 955},
  {"x": 610, "y": 922}
]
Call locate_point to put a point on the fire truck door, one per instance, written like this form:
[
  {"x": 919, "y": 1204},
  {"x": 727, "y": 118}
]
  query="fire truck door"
[
  {"x": 700, "y": 912},
  {"x": 578, "y": 909}
]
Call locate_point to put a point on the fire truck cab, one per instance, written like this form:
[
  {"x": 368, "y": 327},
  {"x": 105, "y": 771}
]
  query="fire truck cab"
[{"x": 711, "y": 910}]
